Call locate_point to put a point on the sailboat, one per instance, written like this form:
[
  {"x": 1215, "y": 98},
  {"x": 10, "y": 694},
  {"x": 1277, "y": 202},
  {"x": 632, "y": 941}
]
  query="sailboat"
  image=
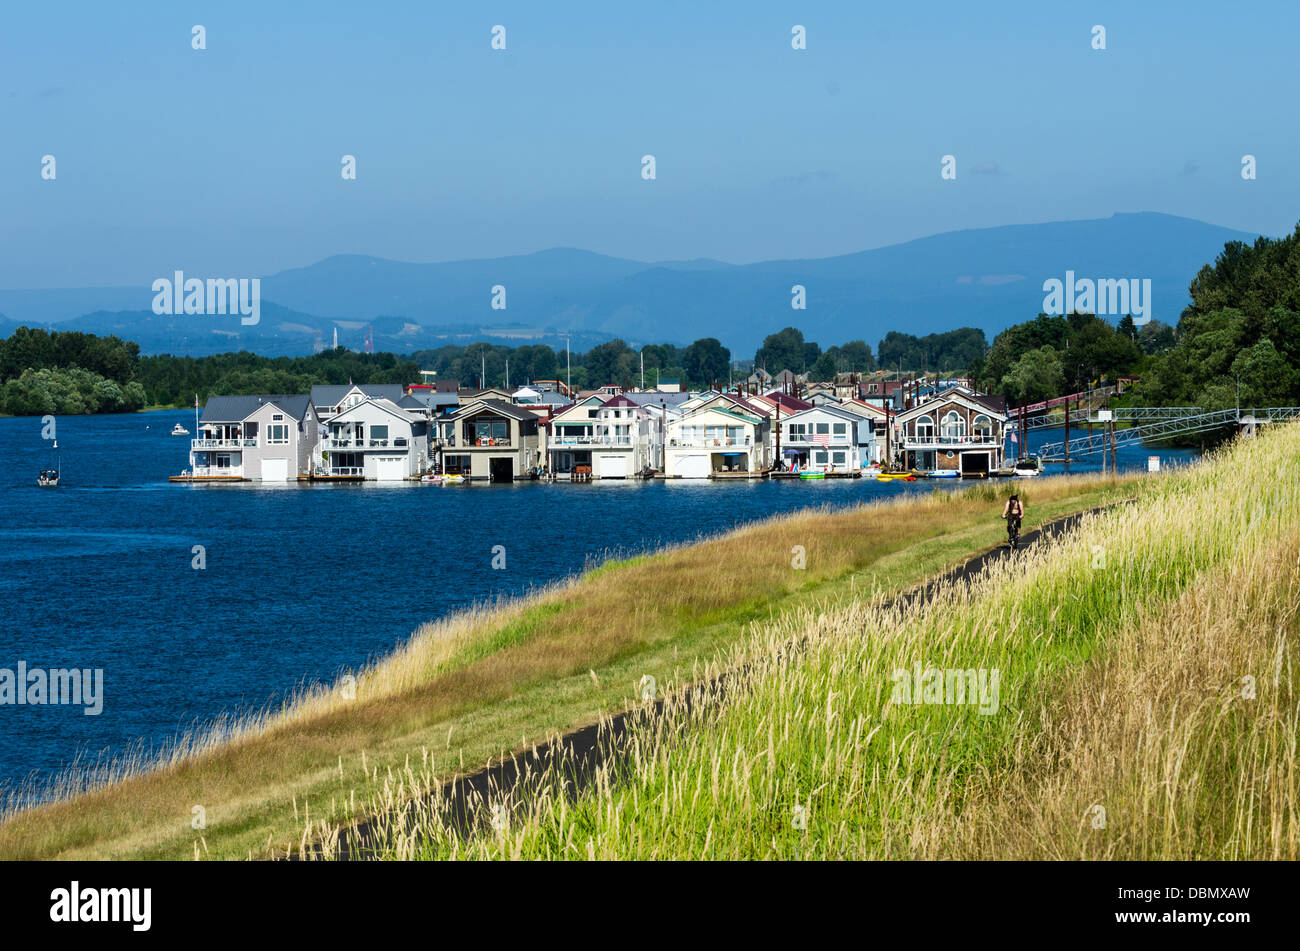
[{"x": 49, "y": 478}]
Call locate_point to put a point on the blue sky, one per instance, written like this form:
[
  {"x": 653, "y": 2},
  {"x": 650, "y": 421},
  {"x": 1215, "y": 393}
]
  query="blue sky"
[{"x": 226, "y": 160}]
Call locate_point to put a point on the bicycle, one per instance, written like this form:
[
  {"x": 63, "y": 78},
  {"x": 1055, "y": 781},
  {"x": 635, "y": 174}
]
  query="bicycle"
[{"x": 1013, "y": 531}]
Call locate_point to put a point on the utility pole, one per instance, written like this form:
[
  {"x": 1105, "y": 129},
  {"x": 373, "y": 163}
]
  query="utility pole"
[
  {"x": 643, "y": 369},
  {"x": 568, "y": 367},
  {"x": 1067, "y": 432},
  {"x": 779, "y": 458}
]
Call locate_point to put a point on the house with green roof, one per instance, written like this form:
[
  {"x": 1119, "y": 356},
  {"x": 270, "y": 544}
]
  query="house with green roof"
[{"x": 712, "y": 441}]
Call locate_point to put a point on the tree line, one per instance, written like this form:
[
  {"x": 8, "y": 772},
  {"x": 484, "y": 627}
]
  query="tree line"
[{"x": 1237, "y": 342}]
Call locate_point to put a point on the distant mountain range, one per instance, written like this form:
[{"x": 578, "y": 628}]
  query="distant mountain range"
[{"x": 987, "y": 278}]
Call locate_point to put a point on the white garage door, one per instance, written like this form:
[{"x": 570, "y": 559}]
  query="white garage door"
[
  {"x": 693, "y": 467},
  {"x": 390, "y": 470},
  {"x": 275, "y": 470},
  {"x": 613, "y": 467}
]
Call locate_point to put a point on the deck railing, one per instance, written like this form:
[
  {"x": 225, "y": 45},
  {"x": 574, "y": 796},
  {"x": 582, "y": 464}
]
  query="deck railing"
[
  {"x": 712, "y": 442},
  {"x": 222, "y": 443}
]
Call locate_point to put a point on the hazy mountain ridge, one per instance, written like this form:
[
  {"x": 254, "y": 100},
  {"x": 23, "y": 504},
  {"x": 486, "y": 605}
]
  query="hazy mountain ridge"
[{"x": 987, "y": 278}]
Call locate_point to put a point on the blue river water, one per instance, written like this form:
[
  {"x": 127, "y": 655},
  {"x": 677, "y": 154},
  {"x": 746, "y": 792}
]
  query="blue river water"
[{"x": 300, "y": 582}]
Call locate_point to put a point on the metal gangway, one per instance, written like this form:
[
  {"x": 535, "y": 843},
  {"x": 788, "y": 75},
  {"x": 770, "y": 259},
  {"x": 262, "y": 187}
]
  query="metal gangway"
[
  {"x": 1168, "y": 427},
  {"x": 1121, "y": 414}
]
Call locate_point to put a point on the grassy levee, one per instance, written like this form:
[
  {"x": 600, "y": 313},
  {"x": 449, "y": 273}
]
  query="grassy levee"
[
  {"x": 507, "y": 676},
  {"x": 1147, "y": 709}
]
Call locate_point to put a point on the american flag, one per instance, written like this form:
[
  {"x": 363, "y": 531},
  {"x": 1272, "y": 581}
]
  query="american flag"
[
  {"x": 1014, "y": 437},
  {"x": 822, "y": 440}
]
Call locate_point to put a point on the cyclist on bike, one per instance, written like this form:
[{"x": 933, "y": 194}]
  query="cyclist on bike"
[{"x": 1013, "y": 512}]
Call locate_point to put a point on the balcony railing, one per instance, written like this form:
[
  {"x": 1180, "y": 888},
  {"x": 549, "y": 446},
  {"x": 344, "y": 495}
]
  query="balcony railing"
[
  {"x": 804, "y": 439},
  {"x": 399, "y": 442},
  {"x": 592, "y": 441},
  {"x": 490, "y": 443},
  {"x": 710, "y": 441},
  {"x": 232, "y": 472},
  {"x": 951, "y": 440},
  {"x": 222, "y": 443}
]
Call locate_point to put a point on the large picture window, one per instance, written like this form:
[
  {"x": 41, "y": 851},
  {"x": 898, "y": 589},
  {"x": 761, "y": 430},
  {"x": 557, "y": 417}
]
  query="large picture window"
[{"x": 277, "y": 434}]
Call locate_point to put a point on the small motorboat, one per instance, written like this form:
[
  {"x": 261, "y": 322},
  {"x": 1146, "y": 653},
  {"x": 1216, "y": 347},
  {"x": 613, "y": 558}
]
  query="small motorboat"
[
  {"x": 431, "y": 479},
  {"x": 944, "y": 474},
  {"x": 179, "y": 430},
  {"x": 453, "y": 479},
  {"x": 1028, "y": 468},
  {"x": 48, "y": 479}
]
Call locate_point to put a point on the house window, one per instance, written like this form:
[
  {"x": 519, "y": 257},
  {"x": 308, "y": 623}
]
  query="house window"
[
  {"x": 823, "y": 429},
  {"x": 496, "y": 429},
  {"x": 840, "y": 429},
  {"x": 277, "y": 416},
  {"x": 797, "y": 430},
  {"x": 277, "y": 434},
  {"x": 924, "y": 427},
  {"x": 954, "y": 426},
  {"x": 982, "y": 426},
  {"x": 838, "y": 457},
  {"x": 821, "y": 458},
  {"x": 379, "y": 432}
]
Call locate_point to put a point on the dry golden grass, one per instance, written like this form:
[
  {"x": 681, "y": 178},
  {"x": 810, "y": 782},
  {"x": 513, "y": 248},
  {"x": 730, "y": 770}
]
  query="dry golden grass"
[
  {"x": 456, "y": 675},
  {"x": 1121, "y": 651}
]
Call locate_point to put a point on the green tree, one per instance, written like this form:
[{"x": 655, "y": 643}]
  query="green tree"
[
  {"x": 1037, "y": 375},
  {"x": 707, "y": 360}
]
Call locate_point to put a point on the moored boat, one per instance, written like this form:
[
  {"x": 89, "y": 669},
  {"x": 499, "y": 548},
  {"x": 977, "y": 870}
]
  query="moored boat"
[
  {"x": 48, "y": 479},
  {"x": 179, "y": 430}
]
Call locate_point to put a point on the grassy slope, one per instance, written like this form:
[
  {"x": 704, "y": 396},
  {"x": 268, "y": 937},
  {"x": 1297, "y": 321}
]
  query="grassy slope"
[
  {"x": 1123, "y": 652},
  {"x": 499, "y": 679}
]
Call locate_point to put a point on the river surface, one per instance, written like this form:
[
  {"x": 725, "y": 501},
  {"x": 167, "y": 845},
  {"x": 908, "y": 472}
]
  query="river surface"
[{"x": 300, "y": 582}]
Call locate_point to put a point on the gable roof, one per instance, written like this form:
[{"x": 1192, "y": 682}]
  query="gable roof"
[
  {"x": 734, "y": 414},
  {"x": 235, "y": 409},
  {"x": 388, "y": 406},
  {"x": 984, "y": 404},
  {"x": 497, "y": 406},
  {"x": 790, "y": 404},
  {"x": 329, "y": 394},
  {"x": 618, "y": 402},
  {"x": 828, "y": 410}
]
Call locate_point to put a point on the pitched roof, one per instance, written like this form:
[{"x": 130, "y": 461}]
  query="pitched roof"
[
  {"x": 329, "y": 394},
  {"x": 734, "y": 414},
  {"x": 388, "y": 406},
  {"x": 498, "y": 406},
  {"x": 234, "y": 409},
  {"x": 828, "y": 410},
  {"x": 788, "y": 403},
  {"x": 617, "y": 402}
]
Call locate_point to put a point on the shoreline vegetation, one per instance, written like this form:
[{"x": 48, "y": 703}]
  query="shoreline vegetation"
[{"x": 505, "y": 676}]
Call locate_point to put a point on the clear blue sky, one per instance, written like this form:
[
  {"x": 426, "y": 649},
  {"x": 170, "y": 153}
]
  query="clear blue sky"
[{"x": 226, "y": 161}]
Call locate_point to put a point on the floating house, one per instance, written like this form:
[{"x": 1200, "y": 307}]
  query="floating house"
[
  {"x": 953, "y": 429},
  {"x": 254, "y": 438},
  {"x": 376, "y": 440},
  {"x": 827, "y": 439},
  {"x": 490, "y": 440},
  {"x": 712, "y": 442}
]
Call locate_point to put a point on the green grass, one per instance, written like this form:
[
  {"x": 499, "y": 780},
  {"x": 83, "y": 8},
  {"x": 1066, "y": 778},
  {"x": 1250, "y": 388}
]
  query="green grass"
[
  {"x": 508, "y": 676},
  {"x": 1121, "y": 651}
]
